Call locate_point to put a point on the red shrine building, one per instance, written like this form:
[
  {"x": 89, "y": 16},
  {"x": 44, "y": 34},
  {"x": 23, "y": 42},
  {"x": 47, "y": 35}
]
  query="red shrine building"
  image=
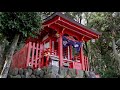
[{"x": 60, "y": 43}]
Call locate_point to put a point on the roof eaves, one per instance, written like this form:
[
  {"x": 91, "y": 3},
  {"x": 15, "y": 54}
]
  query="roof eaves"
[{"x": 73, "y": 21}]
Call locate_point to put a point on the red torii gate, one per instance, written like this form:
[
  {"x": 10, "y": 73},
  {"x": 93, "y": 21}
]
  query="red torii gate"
[{"x": 58, "y": 24}]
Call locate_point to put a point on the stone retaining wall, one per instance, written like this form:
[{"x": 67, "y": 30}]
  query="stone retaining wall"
[{"x": 46, "y": 72}]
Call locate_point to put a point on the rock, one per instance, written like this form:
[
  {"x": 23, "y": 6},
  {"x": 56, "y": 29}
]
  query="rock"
[
  {"x": 71, "y": 72},
  {"x": 24, "y": 71},
  {"x": 34, "y": 71},
  {"x": 46, "y": 76},
  {"x": 37, "y": 77},
  {"x": 15, "y": 71},
  {"x": 10, "y": 72},
  {"x": 92, "y": 75},
  {"x": 54, "y": 70},
  {"x": 86, "y": 74},
  {"x": 45, "y": 70},
  {"x": 52, "y": 75},
  {"x": 68, "y": 76},
  {"x": 80, "y": 73},
  {"x": 37, "y": 72},
  {"x": 63, "y": 71},
  {"x": 29, "y": 71},
  {"x": 77, "y": 77},
  {"x": 27, "y": 75},
  {"x": 18, "y": 76},
  {"x": 41, "y": 73},
  {"x": 21, "y": 71},
  {"x": 49, "y": 69},
  {"x": 33, "y": 76},
  {"x": 23, "y": 76},
  {"x": 12, "y": 76},
  {"x": 59, "y": 76},
  {"x": 9, "y": 76}
]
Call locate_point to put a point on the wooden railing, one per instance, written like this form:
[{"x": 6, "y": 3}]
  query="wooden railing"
[
  {"x": 29, "y": 55},
  {"x": 33, "y": 55},
  {"x": 86, "y": 63},
  {"x": 77, "y": 64},
  {"x": 19, "y": 58}
]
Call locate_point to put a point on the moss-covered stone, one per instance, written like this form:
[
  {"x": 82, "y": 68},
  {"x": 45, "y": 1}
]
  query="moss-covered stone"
[
  {"x": 46, "y": 76},
  {"x": 80, "y": 73},
  {"x": 59, "y": 76},
  {"x": 15, "y": 71},
  {"x": 20, "y": 71},
  {"x": 24, "y": 71},
  {"x": 41, "y": 73},
  {"x": 71, "y": 72},
  {"x": 45, "y": 70},
  {"x": 18, "y": 76},
  {"x": 67, "y": 76},
  {"x": 29, "y": 71},
  {"x": 37, "y": 77},
  {"x": 63, "y": 71},
  {"x": 33, "y": 76},
  {"x": 23, "y": 76}
]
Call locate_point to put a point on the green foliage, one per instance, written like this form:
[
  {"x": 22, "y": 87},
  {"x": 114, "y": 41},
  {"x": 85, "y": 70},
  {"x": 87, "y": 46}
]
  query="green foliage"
[
  {"x": 24, "y": 23},
  {"x": 101, "y": 57},
  {"x": 105, "y": 63}
]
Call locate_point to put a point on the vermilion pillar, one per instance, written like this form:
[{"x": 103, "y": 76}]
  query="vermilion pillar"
[
  {"x": 82, "y": 57},
  {"x": 50, "y": 44},
  {"x": 28, "y": 55},
  {"x": 71, "y": 53},
  {"x": 60, "y": 48}
]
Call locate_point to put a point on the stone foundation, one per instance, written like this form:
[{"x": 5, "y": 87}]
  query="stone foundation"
[{"x": 46, "y": 72}]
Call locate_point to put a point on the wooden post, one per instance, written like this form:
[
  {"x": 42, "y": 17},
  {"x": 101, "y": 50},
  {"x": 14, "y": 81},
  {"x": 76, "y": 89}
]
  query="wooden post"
[
  {"x": 82, "y": 58},
  {"x": 50, "y": 45},
  {"x": 33, "y": 49},
  {"x": 60, "y": 47},
  {"x": 36, "y": 58},
  {"x": 68, "y": 50},
  {"x": 71, "y": 53},
  {"x": 41, "y": 49},
  {"x": 28, "y": 55}
]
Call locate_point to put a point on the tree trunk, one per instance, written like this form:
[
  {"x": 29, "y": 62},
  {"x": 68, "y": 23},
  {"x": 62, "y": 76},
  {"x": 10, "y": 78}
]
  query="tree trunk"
[
  {"x": 2, "y": 51},
  {"x": 90, "y": 55},
  {"x": 2, "y": 47},
  {"x": 9, "y": 55},
  {"x": 117, "y": 57}
]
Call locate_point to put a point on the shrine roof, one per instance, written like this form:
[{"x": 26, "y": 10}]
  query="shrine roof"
[
  {"x": 60, "y": 19},
  {"x": 71, "y": 20}
]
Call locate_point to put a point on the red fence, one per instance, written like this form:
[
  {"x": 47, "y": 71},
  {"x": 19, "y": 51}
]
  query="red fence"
[
  {"x": 78, "y": 64},
  {"x": 34, "y": 55},
  {"x": 29, "y": 55},
  {"x": 86, "y": 63},
  {"x": 20, "y": 57}
]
